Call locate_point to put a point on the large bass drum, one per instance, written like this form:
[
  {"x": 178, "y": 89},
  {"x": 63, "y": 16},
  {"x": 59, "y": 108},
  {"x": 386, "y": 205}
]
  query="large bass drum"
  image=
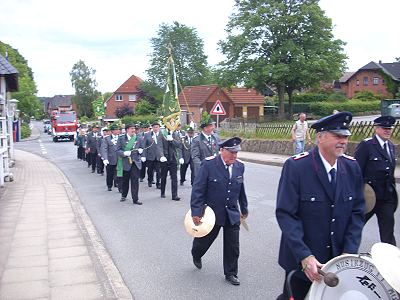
[{"x": 359, "y": 279}]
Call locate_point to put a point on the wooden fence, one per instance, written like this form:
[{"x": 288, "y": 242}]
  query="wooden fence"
[{"x": 359, "y": 129}]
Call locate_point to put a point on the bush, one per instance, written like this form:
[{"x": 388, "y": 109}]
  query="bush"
[
  {"x": 353, "y": 106},
  {"x": 124, "y": 110},
  {"x": 144, "y": 107},
  {"x": 310, "y": 97},
  {"x": 25, "y": 131},
  {"x": 337, "y": 97},
  {"x": 366, "y": 96}
]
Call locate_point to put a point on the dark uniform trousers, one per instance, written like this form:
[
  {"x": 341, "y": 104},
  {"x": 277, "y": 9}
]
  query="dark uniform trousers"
[
  {"x": 100, "y": 165},
  {"x": 231, "y": 246},
  {"x": 93, "y": 160},
  {"x": 384, "y": 210},
  {"x": 153, "y": 166},
  {"x": 143, "y": 170},
  {"x": 133, "y": 177},
  {"x": 111, "y": 176},
  {"x": 173, "y": 172},
  {"x": 300, "y": 288},
  {"x": 183, "y": 170}
]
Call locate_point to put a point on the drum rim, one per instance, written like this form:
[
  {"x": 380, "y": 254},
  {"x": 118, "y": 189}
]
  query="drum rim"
[{"x": 317, "y": 287}]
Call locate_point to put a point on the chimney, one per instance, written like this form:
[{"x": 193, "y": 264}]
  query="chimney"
[{"x": 380, "y": 62}]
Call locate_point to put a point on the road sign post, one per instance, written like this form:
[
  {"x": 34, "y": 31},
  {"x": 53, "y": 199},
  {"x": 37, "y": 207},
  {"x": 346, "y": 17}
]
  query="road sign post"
[{"x": 218, "y": 110}]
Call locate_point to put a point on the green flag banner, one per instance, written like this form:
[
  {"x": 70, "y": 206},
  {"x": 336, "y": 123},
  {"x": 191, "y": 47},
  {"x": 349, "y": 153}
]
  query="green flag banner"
[
  {"x": 98, "y": 107},
  {"x": 171, "y": 110}
]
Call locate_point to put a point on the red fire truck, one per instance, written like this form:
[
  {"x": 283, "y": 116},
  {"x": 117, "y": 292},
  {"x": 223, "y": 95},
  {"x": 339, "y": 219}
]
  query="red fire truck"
[{"x": 64, "y": 125}]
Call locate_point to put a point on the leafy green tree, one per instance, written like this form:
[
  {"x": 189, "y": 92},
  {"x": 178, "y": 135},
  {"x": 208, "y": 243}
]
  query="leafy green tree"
[
  {"x": 144, "y": 107},
  {"x": 188, "y": 53},
  {"x": 288, "y": 44},
  {"x": 82, "y": 79},
  {"x": 152, "y": 93},
  {"x": 29, "y": 104},
  {"x": 106, "y": 95}
]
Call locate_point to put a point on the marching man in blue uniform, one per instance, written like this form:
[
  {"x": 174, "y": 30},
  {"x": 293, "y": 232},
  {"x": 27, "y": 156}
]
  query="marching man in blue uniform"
[
  {"x": 320, "y": 205},
  {"x": 377, "y": 159},
  {"x": 219, "y": 184}
]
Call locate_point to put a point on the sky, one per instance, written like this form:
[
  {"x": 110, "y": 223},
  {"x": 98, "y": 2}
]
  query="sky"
[{"x": 113, "y": 37}]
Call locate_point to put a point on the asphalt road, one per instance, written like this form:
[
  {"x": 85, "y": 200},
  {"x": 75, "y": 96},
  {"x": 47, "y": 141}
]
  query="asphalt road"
[{"x": 151, "y": 248}]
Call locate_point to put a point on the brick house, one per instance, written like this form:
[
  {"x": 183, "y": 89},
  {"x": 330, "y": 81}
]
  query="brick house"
[
  {"x": 237, "y": 102},
  {"x": 128, "y": 93},
  {"x": 369, "y": 78}
]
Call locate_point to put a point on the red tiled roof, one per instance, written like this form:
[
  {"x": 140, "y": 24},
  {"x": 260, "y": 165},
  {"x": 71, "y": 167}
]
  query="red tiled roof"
[
  {"x": 130, "y": 86},
  {"x": 197, "y": 95},
  {"x": 245, "y": 95}
]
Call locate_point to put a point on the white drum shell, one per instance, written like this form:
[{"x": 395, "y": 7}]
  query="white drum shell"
[{"x": 359, "y": 279}]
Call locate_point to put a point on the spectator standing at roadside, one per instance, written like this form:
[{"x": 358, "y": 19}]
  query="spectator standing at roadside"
[{"x": 300, "y": 134}]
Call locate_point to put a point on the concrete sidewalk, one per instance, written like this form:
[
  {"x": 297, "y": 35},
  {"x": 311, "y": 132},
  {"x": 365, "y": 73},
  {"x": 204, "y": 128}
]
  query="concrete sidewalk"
[
  {"x": 49, "y": 249},
  {"x": 279, "y": 160}
]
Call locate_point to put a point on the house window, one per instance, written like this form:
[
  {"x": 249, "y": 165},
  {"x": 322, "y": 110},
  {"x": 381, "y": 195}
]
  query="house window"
[
  {"x": 365, "y": 80},
  {"x": 376, "y": 80},
  {"x": 118, "y": 97},
  {"x": 357, "y": 82},
  {"x": 132, "y": 97}
]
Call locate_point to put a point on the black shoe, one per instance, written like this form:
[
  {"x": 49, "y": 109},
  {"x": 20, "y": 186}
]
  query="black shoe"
[
  {"x": 137, "y": 202},
  {"x": 176, "y": 198},
  {"x": 102, "y": 173},
  {"x": 150, "y": 185},
  {"x": 109, "y": 189},
  {"x": 158, "y": 186},
  {"x": 162, "y": 195},
  {"x": 153, "y": 182},
  {"x": 92, "y": 171},
  {"x": 122, "y": 199},
  {"x": 232, "y": 279},
  {"x": 197, "y": 263},
  {"x": 181, "y": 183},
  {"x": 120, "y": 191}
]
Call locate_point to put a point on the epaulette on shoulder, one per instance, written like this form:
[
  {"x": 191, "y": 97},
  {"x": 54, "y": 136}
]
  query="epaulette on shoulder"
[
  {"x": 210, "y": 157},
  {"x": 300, "y": 155},
  {"x": 348, "y": 157},
  {"x": 367, "y": 139}
]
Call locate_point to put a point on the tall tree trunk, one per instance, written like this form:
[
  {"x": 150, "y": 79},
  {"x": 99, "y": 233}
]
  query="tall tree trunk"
[
  {"x": 281, "y": 96},
  {"x": 290, "y": 99}
]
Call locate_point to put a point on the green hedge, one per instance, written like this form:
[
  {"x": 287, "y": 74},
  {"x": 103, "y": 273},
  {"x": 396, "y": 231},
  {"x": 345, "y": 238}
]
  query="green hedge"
[
  {"x": 25, "y": 131},
  {"x": 353, "y": 106},
  {"x": 310, "y": 97}
]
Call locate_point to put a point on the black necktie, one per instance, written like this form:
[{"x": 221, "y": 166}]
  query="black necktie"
[
  {"x": 333, "y": 179},
  {"x": 227, "y": 171},
  {"x": 386, "y": 150}
]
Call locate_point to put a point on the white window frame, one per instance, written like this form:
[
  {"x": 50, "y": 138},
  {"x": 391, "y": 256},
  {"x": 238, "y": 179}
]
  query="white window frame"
[
  {"x": 375, "y": 81},
  {"x": 119, "y": 97},
  {"x": 132, "y": 95}
]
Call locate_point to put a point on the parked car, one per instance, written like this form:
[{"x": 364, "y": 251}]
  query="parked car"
[{"x": 46, "y": 126}]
